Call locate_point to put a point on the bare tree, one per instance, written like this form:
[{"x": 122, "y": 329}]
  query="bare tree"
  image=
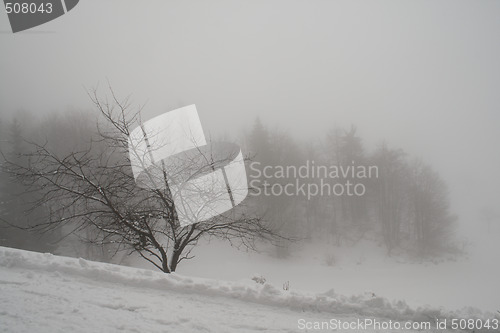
[
  {"x": 391, "y": 194},
  {"x": 95, "y": 188},
  {"x": 429, "y": 206}
]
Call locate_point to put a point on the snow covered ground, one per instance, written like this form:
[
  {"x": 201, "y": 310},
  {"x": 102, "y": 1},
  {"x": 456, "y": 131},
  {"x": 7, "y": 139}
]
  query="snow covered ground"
[
  {"x": 471, "y": 280},
  {"x": 47, "y": 293}
]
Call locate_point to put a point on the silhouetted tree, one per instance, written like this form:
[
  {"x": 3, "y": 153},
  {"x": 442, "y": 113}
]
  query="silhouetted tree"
[
  {"x": 95, "y": 188},
  {"x": 391, "y": 194},
  {"x": 429, "y": 204}
]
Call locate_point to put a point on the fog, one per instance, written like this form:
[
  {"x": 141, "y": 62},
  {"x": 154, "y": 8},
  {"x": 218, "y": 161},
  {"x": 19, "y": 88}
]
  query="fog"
[{"x": 423, "y": 76}]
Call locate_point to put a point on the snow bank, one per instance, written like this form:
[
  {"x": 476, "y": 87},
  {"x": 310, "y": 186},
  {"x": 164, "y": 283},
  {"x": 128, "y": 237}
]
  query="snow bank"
[{"x": 266, "y": 294}]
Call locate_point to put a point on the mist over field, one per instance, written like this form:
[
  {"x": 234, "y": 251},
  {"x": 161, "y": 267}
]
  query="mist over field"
[{"x": 368, "y": 136}]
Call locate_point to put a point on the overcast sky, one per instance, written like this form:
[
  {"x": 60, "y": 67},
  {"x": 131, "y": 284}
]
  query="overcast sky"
[{"x": 422, "y": 75}]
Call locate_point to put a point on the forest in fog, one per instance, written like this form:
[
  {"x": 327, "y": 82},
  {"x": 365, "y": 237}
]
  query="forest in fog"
[{"x": 404, "y": 207}]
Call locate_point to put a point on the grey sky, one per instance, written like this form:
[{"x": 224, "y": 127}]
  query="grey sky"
[{"x": 423, "y": 75}]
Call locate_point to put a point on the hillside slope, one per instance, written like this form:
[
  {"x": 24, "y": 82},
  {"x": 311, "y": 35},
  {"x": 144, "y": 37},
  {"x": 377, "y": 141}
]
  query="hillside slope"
[{"x": 46, "y": 293}]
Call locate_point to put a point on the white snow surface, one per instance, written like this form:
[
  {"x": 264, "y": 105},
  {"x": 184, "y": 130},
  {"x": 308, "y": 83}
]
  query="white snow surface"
[
  {"x": 469, "y": 280},
  {"x": 47, "y": 293}
]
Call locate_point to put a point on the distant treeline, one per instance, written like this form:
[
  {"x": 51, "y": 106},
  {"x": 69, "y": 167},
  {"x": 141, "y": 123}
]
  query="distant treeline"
[{"x": 405, "y": 207}]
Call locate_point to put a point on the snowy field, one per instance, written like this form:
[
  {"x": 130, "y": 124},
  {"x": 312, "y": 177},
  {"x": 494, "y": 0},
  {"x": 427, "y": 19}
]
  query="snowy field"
[
  {"x": 452, "y": 282},
  {"x": 47, "y": 293}
]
